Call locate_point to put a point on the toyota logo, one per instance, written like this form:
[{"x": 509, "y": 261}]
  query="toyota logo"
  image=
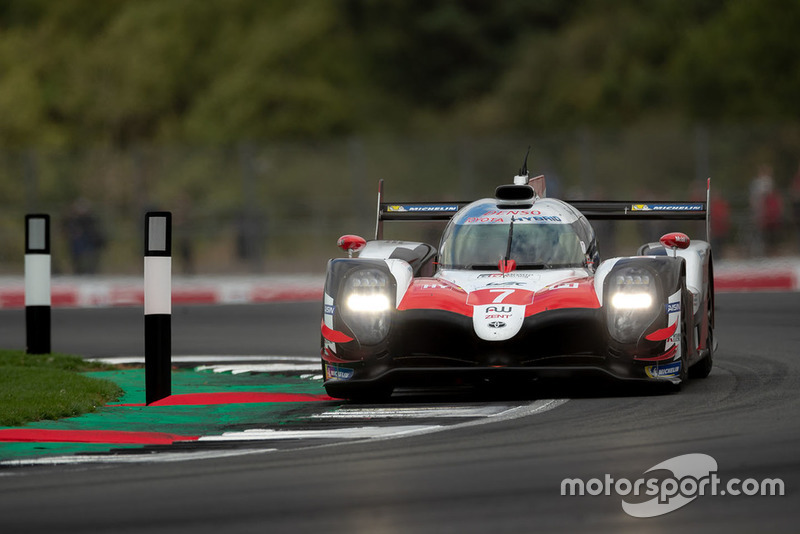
[{"x": 497, "y": 324}]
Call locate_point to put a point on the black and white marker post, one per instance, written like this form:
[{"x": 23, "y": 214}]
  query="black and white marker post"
[
  {"x": 37, "y": 283},
  {"x": 157, "y": 305}
]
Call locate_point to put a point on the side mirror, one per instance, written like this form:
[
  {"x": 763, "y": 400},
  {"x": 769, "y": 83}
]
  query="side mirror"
[
  {"x": 675, "y": 240},
  {"x": 351, "y": 243}
]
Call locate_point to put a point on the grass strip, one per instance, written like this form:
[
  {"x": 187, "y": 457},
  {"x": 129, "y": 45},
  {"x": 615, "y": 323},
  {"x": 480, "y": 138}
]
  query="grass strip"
[{"x": 34, "y": 387}]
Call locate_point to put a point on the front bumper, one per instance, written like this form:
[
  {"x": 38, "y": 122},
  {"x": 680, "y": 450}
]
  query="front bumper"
[{"x": 436, "y": 348}]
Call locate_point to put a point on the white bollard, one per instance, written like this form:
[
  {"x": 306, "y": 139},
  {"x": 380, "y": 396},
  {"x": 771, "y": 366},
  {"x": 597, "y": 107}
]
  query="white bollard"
[
  {"x": 37, "y": 283},
  {"x": 158, "y": 305}
]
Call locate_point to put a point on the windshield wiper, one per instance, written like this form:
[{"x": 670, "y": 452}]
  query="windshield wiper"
[{"x": 479, "y": 267}]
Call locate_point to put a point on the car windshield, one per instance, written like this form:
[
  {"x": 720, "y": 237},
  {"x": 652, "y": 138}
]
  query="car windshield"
[{"x": 534, "y": 245}]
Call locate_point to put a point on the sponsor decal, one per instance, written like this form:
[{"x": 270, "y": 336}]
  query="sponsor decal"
[
  {"x": 507, "y": 275},
  {"x": 330, "y": 309},
  {"x": 434, "y": 286},
  {"x": 485, "y": 220},
  {"x": 674, "y": 338},
  {"x": 570, "y": 285},
  {"x": 671, "y": 485},
  {"x": 667, "y": 207},
  {"x": 539, "y": 218},
  {"x": 673, "y": 307},
  {"x": 423, "y": 208},
  {"x": 505, "y": 284},
  {"x": 497, "y": 324},
  {"x": 513, "y": 212},
  {"x": 333, "y": 372},
  {"x": 498, "y": 316},
  {"x": 529, "y": 218},
  {"x": 663, "y": 371},
  {"x": 498, "y": 309}
]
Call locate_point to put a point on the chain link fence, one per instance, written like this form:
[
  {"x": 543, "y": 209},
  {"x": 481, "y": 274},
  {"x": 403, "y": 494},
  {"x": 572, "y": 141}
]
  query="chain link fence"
[{"x": 279, "y": 207}]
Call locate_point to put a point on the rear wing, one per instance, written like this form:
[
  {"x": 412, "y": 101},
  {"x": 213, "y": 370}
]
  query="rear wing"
[
  {"x": 656, "y": 210},
  {"x": 413, "y": 211},
  {"x": 591, "y": 209}
]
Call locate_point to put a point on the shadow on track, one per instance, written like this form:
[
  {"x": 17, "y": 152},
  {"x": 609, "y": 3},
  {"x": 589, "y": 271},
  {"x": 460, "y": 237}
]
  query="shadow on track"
[{"x": 545, "y": 388}]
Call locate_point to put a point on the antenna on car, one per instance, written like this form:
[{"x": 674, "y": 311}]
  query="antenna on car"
[{"x": 522, "y": 177}]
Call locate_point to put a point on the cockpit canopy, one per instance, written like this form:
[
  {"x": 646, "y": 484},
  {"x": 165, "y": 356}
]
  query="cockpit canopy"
[{"x": 549, "y": 235}]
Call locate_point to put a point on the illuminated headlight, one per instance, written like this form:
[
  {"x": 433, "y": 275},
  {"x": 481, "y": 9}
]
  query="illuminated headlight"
[
  {"x": 631, "y": 301},
  {"x": 631, "y": 295},
  {"x": 368, "y": 296},
  {"x": 374, "y": 303}
]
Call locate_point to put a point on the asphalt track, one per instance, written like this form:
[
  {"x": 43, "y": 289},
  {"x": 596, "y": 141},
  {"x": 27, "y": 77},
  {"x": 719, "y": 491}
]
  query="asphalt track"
[{"x": 500, "y": 477}]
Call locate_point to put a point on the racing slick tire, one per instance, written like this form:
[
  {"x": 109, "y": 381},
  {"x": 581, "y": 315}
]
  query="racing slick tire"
[
  {"x": 703, "y": 368},
  {"x": 683, "y": 374}
]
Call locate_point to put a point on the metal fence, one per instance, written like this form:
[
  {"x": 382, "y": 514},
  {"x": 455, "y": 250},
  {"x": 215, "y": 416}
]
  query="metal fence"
[{"x": 279, "y": 207}]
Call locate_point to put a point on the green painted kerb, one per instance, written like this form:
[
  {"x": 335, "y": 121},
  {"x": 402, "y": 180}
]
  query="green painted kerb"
[{"x": 183, "y": 420}]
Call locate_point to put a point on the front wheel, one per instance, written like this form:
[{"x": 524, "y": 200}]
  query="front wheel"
[
  {"x": 703, "y": 368},
  {"x": 683, "y": 373}
]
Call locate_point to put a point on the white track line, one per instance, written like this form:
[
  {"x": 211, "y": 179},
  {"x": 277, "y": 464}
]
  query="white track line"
[
  {"x": 369, "y": 433},
  {"x": 240, "y": 368},
  {"x": 534, "y": 408},
  {"x": 155, "y": 457},
  {"x": 412, "y": 412},
  {"x": 268, "y": 434},
  {"x": 208, "y": 359}
]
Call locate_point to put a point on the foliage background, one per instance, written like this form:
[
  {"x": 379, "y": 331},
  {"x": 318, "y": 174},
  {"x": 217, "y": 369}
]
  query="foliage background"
[{"x": 266, "y": 124}]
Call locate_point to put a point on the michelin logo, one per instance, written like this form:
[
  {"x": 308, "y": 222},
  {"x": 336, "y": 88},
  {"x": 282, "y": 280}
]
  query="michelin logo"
[
  {"x": 422, "y": 208},
  {"x": 663, "y": 371},
  {"x": 667, "y": 207}
]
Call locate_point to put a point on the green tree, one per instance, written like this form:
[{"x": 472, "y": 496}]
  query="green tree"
[{"x": 744, "y": 64}]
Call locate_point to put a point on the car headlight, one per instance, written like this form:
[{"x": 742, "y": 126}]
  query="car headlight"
[
  {"x": 367, "y": 295},
  {"x": 375, "y": 303},
  {"x": 631, "y": 294},
  {"x": 631, "y": 301}
]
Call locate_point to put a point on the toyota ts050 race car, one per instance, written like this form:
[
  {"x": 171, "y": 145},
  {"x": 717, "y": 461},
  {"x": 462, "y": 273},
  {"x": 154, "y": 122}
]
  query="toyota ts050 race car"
[{"x": 516, "y": 289}]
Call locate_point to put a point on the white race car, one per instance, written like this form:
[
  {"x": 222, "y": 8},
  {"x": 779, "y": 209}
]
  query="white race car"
[{"x": 516, "y": 290}]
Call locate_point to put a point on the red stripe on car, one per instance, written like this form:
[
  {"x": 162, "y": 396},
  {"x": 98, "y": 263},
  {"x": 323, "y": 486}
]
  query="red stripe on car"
[
  {"x": 435, "y": 294},
  {"x": 662, "y": 334},
  {"x": 666, "y": 356},
  {"x": 334, "y": 335}
]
